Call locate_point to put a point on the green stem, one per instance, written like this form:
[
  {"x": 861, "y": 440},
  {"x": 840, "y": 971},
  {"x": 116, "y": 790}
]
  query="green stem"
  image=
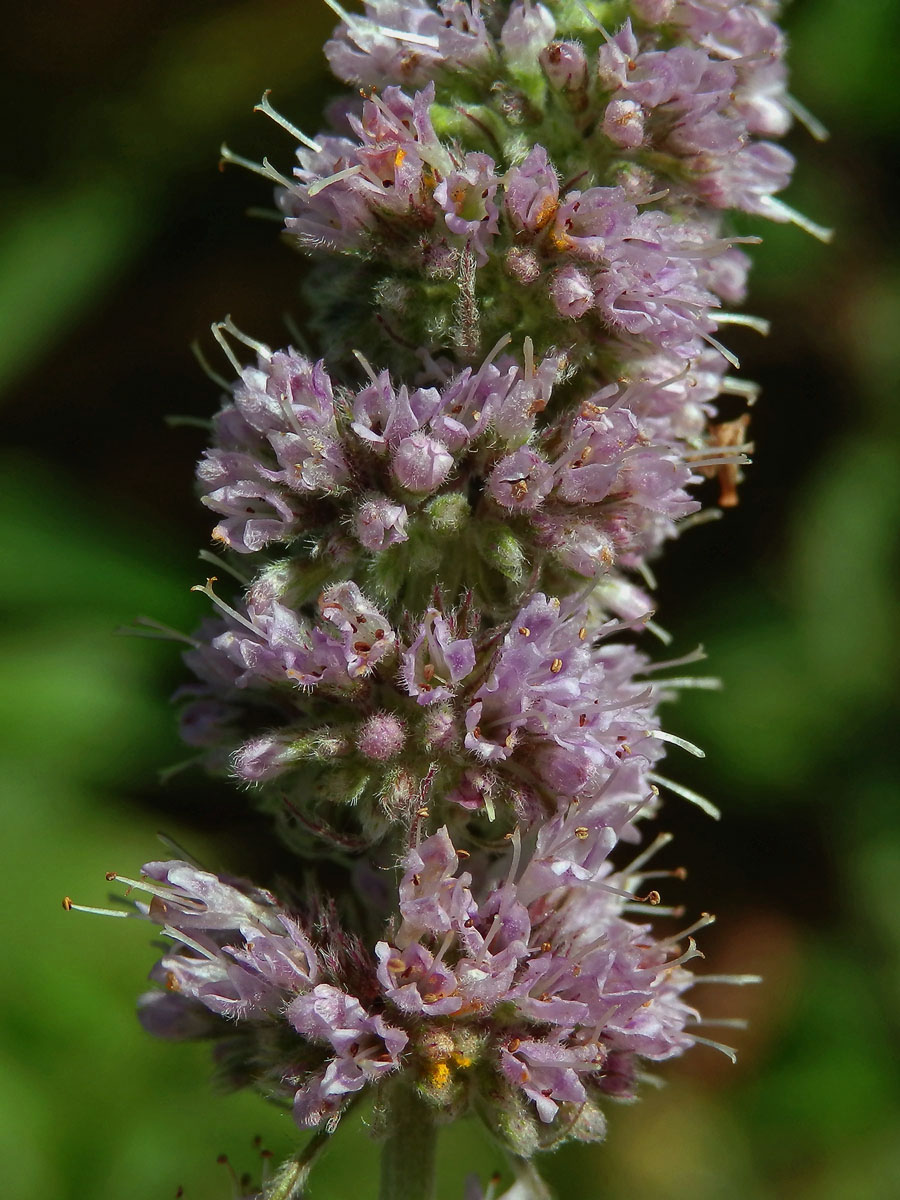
[
  {"x": 408, "y": 1156},
  {"x": 291, "y": 1178}
]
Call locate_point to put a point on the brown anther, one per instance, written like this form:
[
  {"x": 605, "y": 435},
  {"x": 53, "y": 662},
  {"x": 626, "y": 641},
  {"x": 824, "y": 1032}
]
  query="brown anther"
[
  {"x": 582, "y": 720},
  {"x": 723, "y": 435},
  {"x": 172, "y": 984},
  {"x": 222, "y": 1160},
  {"x": 582, "y": 832},
  {"x": 546, "y": 947},
  {"x": 519, "y": 489},
  {"x": 361, "y": 647},
  {"x": 556, "y": 666},
  {"x": 67, "y": 903},
  {"x": 428, "y": 672},
  {"x": 576, "y": 971},
  {"x": 417, "y": 879},
  {"x": 653, "y": 897},
  {"x": 379, "y": 634},
  {"x": 514, "y": 1045},
  {"x": 680, "y": 873}
]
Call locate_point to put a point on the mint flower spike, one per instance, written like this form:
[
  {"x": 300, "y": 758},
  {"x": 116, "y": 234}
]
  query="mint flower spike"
[{"x": 441, "y": 527}]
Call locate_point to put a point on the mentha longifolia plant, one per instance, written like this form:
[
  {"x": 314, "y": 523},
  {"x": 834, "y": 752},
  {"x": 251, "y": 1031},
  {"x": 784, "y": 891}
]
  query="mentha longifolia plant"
[{"x": 522, "y": 261}]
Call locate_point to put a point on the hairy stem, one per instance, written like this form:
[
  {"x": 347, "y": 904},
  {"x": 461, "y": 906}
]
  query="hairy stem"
[{"x": 408, "y": 1156}]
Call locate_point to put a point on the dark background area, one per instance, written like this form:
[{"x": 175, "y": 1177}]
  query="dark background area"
[{"x": 120, "y": 242}]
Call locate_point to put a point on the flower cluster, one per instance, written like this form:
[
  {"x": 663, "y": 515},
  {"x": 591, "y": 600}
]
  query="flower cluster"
[
  {"x": 599, "y": 487},
  {"x": 585, "y": 992},
  {"x": 433, "y": 687}
]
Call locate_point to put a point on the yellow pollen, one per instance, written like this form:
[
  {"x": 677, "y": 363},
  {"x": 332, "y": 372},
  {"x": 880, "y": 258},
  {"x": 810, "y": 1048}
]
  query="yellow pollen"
[
  {"x": 525, "y": 631},
  {"x": 399, "y": 157},
  {"x": 556, "y": 666},
  {"x": 582, "y": 633},
  {"x": 546, "y": 212},
  {"x": 439, "y": 1074},
  {"x": 462, "y": 1061},
  {"x": 560, "y": 239},
  {"x": 582, "y": 832}
]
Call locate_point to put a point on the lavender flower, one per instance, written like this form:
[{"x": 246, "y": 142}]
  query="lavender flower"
[{"x": 427, "y": 688}]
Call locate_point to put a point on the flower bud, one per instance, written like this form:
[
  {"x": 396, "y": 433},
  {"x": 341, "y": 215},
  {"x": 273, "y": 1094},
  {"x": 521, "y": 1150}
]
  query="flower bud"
[
  {"x": 572, "y": 293},
  {"x": 421, "y": 463},
  {"x": 623, "y": 123},
  {"x": 565, "y": 65},
  {"x": 380, "y": 524},
  {"x": 381, "y": 737}
]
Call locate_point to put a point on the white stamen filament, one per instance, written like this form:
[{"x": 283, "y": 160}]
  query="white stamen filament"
[
  {"x": 723, "y": 350},
  {"x": 759, "y": 324},
  {"x": 265, "y": 107},
  {"x": 207, "y": 590},
  {"x": 731, "y": 980},
  {"x": 728, "y": 1051},
  {"x": 811, "y": 123},
  {"x": 70, "y": 906},
  {"x": 320, "y": 184},
  {"x": 686, "y": 793},
  {"x": 707, "y": 683},
  {"x": 661, "y": 736},
  {"x": 177, "y": 936},
  {"x": 264, "y": 169},
  {"x": 217, "y": 561},
  {"x": 778, "y": 210},
  {"x": 366, "y": 365},
  {"x": 661, "y": 839}
]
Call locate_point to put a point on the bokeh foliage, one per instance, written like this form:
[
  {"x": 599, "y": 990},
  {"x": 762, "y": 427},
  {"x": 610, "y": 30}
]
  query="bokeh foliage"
[{"x": 120, "y": 242}]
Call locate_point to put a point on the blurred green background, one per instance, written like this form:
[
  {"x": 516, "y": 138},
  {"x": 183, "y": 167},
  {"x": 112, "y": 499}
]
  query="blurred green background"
[{"x": 119, "y": 243}]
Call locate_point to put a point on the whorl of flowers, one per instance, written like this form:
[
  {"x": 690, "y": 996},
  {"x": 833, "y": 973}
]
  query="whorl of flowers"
[{"x": 522, "y": 253}]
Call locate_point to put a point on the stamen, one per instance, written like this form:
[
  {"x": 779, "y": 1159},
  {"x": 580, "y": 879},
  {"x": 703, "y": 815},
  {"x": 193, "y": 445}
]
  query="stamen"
[
  {"x": 728, "y": 1051},
  {"x": 686, "y": 793},
  {"x": 657, "y": 630},
  {"x": 207, "y": 590},
  {"x": 677, "y": 741},
  {"x": 264, "y": 169},
  {"x": 731, "y": 386},
  {"x": 731, "y": 980},
  {"x": 779, "y": 210},
  {"x": 811, "y": 123},
  {"x": 722, "y": 1022},
  {"x": 759, "y": 324},
  {"x": 215, "y": 560},
  {"x": 366, "y": 365},
  {"x": 528, "y": 355},
  {"x": 70, "y": 906},
  {"x": 337, "y": 177},
  {"x": 177, "y": 936},
  {"x": 655, "y": 846},
  {"x": 207, "y": 369},
  {"x": 704, "y": 921},
  {"x": 723, "y": 350},
  {"x": 228, "y": 326},
  {"x": 591, "y": 17},
  {"x": 698, "y": 655},
  {"x": 708, "y": 683},
  {"x": 265, "y": 107},
  {"x": 358, "y": 24},
  {"x": 690, "y": 953}
]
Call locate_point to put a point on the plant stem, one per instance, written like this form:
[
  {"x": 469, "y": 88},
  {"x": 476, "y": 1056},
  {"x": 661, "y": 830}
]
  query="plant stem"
[{"x": 408, "y": 1156}]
